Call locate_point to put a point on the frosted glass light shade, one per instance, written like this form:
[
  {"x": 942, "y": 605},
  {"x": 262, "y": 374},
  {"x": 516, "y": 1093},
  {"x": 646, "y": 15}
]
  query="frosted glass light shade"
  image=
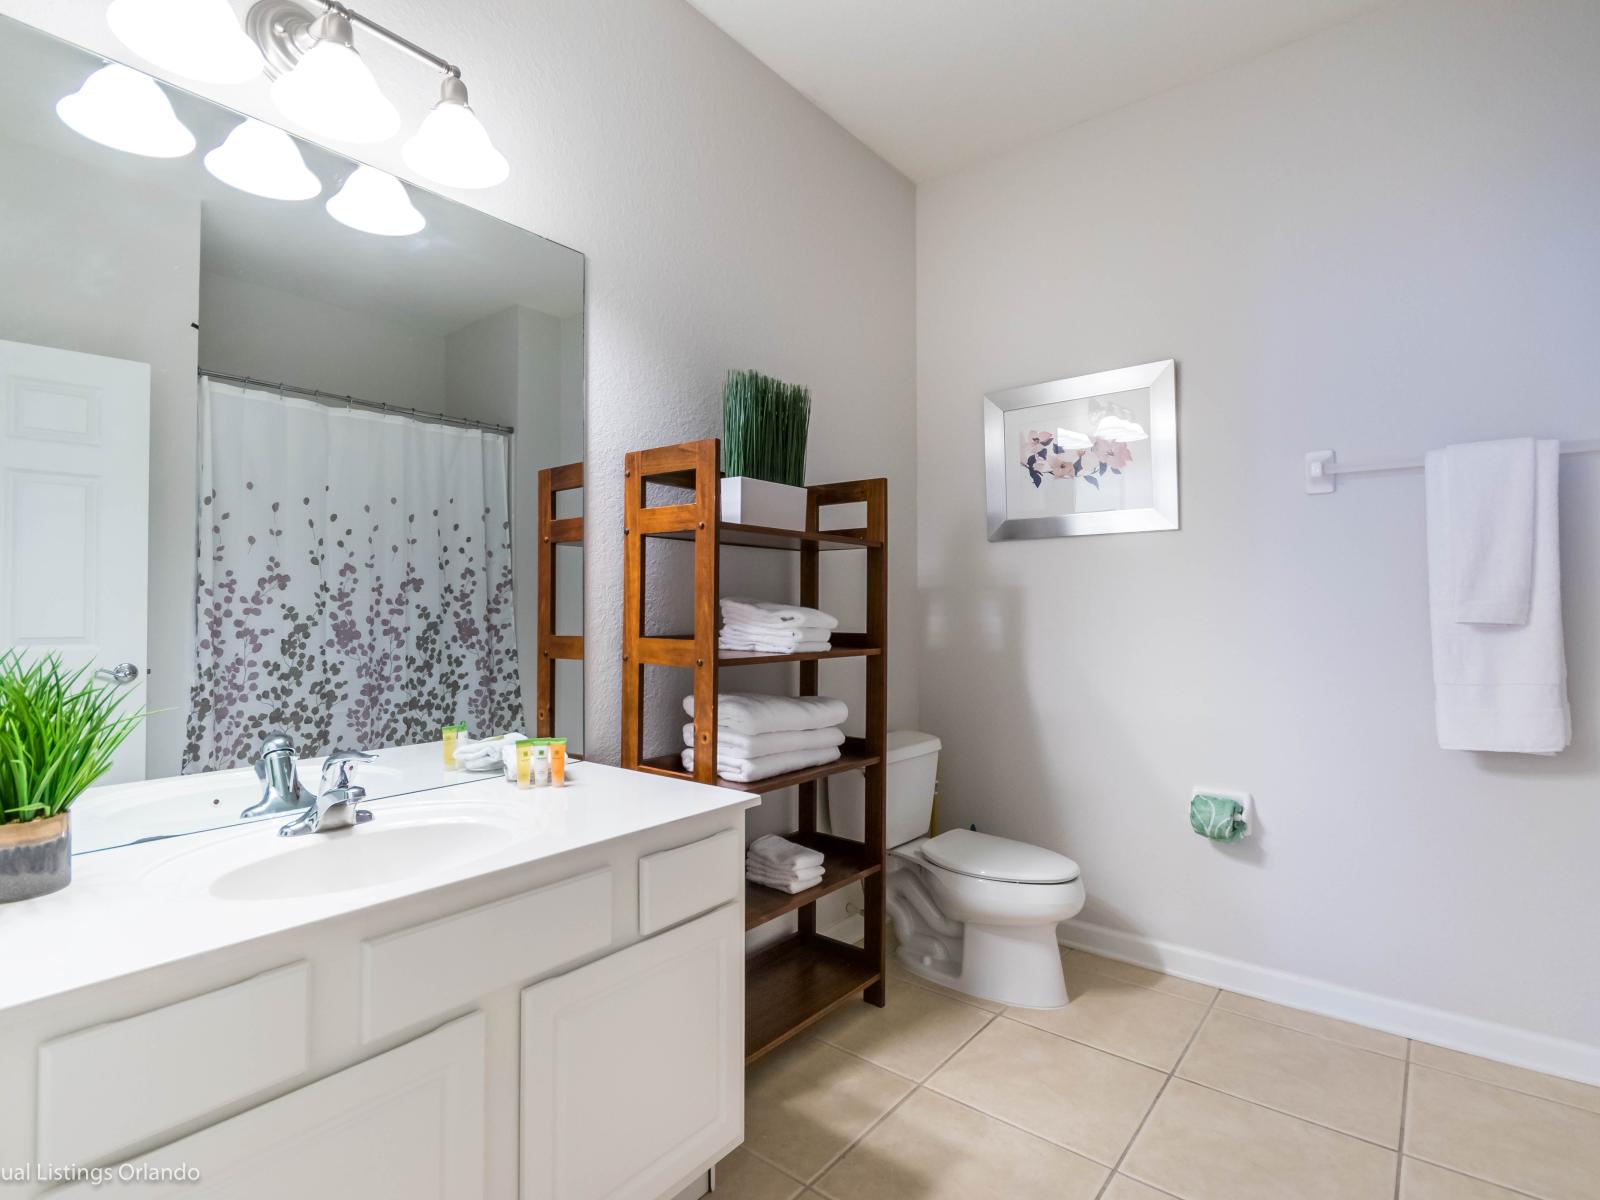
[
  {"x": 198, "y": 39},
  {"x": 332, "y": 93},
  {"x": 374, "y": 201},
  {"x": 126, "y": 110},
  {"x": 452, "y": 147},
  {"x": 1119, "y": 429},
  {"x": 264, "y": 161}
]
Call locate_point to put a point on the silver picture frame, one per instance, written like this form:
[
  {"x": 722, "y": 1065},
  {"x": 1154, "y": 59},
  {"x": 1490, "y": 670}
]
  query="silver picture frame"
[{"x": 1001, "y": 461}]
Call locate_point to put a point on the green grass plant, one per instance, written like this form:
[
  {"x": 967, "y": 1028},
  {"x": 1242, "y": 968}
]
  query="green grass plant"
[
  {"x": 764, "y": 426},
  {"x": 59, "y": 729}
]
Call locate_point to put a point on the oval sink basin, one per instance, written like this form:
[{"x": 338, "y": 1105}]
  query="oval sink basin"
[{"x": 320, "y": 864}]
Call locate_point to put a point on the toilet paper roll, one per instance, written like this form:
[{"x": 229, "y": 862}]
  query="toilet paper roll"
[{"x": 1217, "y": 817}]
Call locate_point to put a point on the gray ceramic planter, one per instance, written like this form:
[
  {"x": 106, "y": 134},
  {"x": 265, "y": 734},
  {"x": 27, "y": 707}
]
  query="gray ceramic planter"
[{"x": 35, "y": 858}]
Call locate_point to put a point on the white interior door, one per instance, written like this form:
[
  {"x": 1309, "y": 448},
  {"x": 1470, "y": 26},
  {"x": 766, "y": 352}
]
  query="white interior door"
[{"x": 75, "y": 515}]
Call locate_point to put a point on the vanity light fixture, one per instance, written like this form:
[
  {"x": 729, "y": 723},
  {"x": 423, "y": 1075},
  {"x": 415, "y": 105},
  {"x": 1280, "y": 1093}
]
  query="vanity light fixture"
[
  {"x": 197, "y": 39},
  {"x": 330, "y": 91},
  {"x": 263, "y": 160},
  {"x": 451, "y": 146},
  {"x": 320, "y": 82},
  {"x": 374, "y": 201},
  {"x": 126, "y": 110}
]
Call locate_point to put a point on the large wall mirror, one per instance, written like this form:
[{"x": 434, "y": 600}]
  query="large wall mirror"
[{"x": 275, "y": 468}]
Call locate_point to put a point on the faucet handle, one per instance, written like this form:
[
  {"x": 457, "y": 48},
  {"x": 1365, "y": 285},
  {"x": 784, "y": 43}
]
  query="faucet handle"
[{"x": 338, "y": 763}]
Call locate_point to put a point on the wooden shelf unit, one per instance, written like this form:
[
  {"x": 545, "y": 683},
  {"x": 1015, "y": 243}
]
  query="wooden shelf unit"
[
  {"x": 550, "y": 646},
  {"x": 795, "y": 982}
]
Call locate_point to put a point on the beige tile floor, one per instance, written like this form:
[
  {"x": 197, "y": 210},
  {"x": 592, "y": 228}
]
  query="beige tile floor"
[{"x": 1146, "y": 1087}]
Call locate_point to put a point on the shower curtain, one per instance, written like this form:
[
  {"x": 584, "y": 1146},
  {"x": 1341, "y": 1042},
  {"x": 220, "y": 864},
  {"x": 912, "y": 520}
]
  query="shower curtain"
[{"x": 354, "y": 583}]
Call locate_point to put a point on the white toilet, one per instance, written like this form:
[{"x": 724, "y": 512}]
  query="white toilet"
[{"x": 972, "y": 911}]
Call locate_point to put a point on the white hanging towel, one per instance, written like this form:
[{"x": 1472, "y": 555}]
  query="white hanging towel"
[{"x": 1498, "y": 684}]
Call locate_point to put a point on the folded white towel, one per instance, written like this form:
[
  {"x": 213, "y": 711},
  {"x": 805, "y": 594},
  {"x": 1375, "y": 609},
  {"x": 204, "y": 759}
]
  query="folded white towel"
[
  {"x": 754, "y": 745},
  {"x": 752, "y": 712},
  {"x": 791, "y": 636},
  {"x": 764, "y": 874},
  {"x": 781, "y": 854},
  {"x": 749, "y": 645},
  {"x": 752, "y": 770},
  {"x": 1499, "y": 687},
  {"x": 1489, "y": 517},
  {"x": 483, "y": 754},
  {"x": 791, "y": 886},
  {"x": 764, "y": 612}
]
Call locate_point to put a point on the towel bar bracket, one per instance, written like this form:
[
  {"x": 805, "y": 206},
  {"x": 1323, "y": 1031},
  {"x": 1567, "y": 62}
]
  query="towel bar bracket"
[{"x": 1319, "y": 480}]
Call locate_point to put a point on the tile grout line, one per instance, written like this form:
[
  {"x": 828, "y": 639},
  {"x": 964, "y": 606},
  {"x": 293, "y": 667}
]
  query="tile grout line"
[
  {"x": 916, "y": 1086},
  {"x": 1165, "y": 1083},
  {"x": 1505, "y": 1087},
  {"x": 1405, "y": 1095}
]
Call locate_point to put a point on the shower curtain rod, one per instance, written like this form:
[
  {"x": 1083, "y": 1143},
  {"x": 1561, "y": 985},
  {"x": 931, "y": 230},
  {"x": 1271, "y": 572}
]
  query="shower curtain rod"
[{"x": 355, "y": 401}]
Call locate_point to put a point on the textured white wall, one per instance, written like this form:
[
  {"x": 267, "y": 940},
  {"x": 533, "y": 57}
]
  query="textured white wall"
[
  {"x": 726, "y": 222},
  {"x": 1380, "y": 239}
]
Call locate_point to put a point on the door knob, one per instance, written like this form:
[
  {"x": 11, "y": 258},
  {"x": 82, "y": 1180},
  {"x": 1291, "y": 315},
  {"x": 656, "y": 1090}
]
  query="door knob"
[{"x": 124, "y": 672}]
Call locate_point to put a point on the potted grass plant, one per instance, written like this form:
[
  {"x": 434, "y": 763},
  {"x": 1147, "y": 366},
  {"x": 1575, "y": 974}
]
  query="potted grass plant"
[
  {"x": 764, "y": 426},
  {"x": 59, "y": 729}
]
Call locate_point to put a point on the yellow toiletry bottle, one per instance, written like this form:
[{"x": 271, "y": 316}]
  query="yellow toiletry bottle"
[
  {"x": 525, "y": 749},
  {"x": 451, "y": 733}
]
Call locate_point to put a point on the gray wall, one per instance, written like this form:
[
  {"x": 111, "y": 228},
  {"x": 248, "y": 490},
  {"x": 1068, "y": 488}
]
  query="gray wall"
[{"x": 1380, "y": 240}]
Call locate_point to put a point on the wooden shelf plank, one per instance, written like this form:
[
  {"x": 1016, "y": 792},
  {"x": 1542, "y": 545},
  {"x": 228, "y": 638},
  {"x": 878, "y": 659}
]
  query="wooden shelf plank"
[
  {"x": 767, "y": 537},
  {"x": 845, "y": 862},
  {"x": 853, "y": 757},
  {"x": 795, "y": 983}
]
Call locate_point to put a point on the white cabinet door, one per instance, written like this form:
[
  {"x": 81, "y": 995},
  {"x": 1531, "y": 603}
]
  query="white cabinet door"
[
  {"x": 633, "y": 1066},
  {"x": 74, "y": 515},
  {"x": 406, "y": 1125}
]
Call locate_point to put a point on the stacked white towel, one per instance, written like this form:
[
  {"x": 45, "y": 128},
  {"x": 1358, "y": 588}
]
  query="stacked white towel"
[
  {"x": 484, "y": 754},
  {"x": 761, "y": 627},
  {"x": 759, "y": 736},
  {"x": 776, "y": 862}
]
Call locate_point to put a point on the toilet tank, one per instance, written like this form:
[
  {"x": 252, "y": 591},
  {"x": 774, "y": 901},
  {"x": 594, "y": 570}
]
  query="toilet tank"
[{"x": 913, "y": 764}]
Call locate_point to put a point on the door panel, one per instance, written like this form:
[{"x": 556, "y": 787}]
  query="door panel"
[
  {"x": 633, "y": 1066},
  {"x": 74, "y": 514}
]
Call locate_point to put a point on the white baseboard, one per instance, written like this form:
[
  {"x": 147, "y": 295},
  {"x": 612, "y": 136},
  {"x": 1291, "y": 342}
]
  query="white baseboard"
[{"x": 1503, "y": 1043}]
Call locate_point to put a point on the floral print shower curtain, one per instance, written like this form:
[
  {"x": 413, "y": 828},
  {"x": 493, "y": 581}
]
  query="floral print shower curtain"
[{"x": 354, "y": 584}]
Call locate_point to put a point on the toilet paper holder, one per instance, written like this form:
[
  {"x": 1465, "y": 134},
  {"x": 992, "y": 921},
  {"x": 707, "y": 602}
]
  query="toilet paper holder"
[{"x": 1246, "y": 814}]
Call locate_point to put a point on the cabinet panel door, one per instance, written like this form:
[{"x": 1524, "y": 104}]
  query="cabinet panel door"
[
  {"x": 633, "y": 1066},
  {"x": 406, "y": 1125}
]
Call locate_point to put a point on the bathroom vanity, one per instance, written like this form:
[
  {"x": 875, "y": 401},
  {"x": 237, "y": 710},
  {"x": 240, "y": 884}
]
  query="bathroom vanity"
[{"x": 481, "y": 992}]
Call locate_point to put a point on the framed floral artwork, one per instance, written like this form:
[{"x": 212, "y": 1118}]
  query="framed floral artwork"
[{"x": 1091, "y": 454}]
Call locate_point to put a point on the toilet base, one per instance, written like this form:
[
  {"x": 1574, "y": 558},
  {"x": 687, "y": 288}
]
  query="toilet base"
[{"x": 1018, "y": 966}]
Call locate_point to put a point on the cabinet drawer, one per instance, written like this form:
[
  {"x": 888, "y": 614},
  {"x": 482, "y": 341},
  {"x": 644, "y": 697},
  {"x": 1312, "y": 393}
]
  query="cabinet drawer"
[
  {"x": 686, "y": 881},
  {"x": 414, "y": 974},
  {"x": 112, "y": 1086}
]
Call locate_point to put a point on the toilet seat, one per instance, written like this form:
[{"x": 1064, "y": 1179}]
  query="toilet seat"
[{"x": 984, "y": 856}]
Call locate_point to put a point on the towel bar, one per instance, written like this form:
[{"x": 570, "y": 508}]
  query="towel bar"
[{"x": 1322, "y": 469}]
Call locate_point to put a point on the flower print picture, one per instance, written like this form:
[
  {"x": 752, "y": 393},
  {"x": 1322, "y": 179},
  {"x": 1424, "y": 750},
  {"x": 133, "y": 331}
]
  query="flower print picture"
[
  {"x": 1073, "y": 451},
  {"x": 1089, "y": 456}
]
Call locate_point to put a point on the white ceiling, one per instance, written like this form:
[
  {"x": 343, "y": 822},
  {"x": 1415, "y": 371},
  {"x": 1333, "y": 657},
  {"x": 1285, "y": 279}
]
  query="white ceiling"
[{"x": 937, "y": 85}]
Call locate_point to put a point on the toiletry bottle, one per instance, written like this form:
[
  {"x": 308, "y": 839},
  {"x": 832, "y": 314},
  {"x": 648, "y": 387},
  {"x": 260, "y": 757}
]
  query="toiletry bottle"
[
  {"x": 558, "y": 762},
  {"x": 451, "y": 734},
  {"x": 525, "y": 750}
]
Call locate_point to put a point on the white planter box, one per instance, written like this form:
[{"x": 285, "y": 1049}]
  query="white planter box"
[{"x": 747, "y": 501}]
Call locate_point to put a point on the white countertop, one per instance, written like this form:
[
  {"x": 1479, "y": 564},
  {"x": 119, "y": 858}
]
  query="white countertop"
[{"x": 115, "y": 918}]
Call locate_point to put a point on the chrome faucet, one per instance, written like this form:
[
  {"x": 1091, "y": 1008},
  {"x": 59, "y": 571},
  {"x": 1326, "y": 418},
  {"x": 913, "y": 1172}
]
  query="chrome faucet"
[
  {"x": 281, "y": 790},
  {"x": 337, "y": 802}
]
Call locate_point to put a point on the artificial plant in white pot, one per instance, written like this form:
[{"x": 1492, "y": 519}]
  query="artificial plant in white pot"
[
  {"x": 764, "y": 426},
  {"x": 59, "y": 730}
]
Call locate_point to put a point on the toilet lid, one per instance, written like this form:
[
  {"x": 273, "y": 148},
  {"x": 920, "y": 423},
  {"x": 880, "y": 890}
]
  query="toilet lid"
[{"x": 967, "y": 852}]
